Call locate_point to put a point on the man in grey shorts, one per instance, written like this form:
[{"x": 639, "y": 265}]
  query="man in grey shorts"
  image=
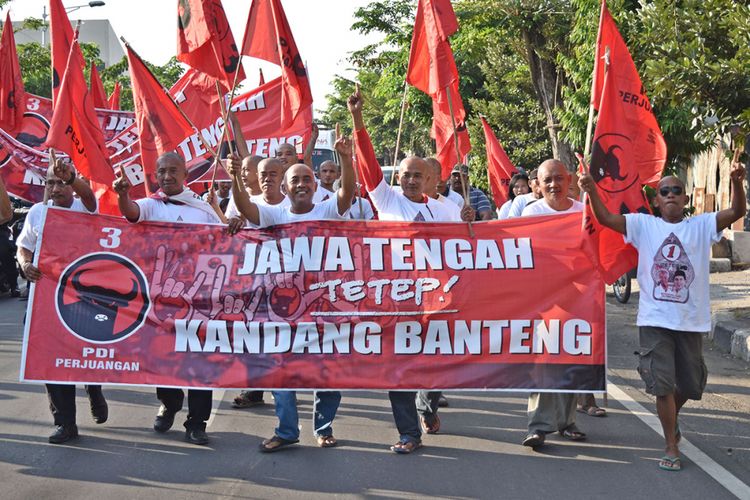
[{"x": 674, "y": 307}]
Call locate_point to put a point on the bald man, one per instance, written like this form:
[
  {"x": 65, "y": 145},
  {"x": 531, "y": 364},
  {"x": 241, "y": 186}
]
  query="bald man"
[
  {"x": 408, "y": 204},
  {"x": 174, "y": 202},
  {"x": 674, "y": 306},
  {"x": 300, "y": 185},
  {"x": 549, "y": 411},
  {"x": 61, "y": 186}
]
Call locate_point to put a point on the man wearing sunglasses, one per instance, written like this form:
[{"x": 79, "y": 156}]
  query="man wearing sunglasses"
[{"x": 672, "y": 318}]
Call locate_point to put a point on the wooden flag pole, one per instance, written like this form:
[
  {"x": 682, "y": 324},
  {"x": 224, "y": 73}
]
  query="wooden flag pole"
[
  {"x": 400, "y": 129},
  {"x": 458, "y": 157},
  {"x": 52, "y": 161},
  {"x": 166, "y": 92}
]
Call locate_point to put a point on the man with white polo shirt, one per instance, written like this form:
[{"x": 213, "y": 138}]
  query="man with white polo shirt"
[
  {"x": 552, "y": 411},
  {"x": 412, "y": 205},
  {"x": 174, "y": 202},
  {"x": 61, "y": 186},
  {"x": 300, "y": 185}
]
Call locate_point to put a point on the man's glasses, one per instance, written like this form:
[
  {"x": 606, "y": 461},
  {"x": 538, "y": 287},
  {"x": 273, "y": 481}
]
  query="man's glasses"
[{"x": 676, "y": 190}]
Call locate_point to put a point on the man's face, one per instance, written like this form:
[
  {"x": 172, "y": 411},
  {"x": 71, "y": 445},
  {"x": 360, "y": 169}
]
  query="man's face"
[
  {"x": 300, "y": 185},
  {"x": 535, "y": 188},
  {"x": 287, "y": 154},
  {"x": 224, "y": 188},
  {"x": 432, "y": 188},
  {"x": 414, "y": 177},
  {"x": 554, "y": 181},
  {"x": 270, "y": 174},
  {"x": 663, "y": 278},
  {"x": 679, "y": 282},
  {"x": 457, "y": 183},
  {"x": 60, "y": 194},
  {"x": 170, "y": 175},
  {"x": 249, "y": 164},
  {"x": 671, "y": 198},
  {"x": 328, "y": 172}
]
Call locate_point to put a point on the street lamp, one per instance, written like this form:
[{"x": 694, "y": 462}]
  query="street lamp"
[{"x": 94, "y": 3}]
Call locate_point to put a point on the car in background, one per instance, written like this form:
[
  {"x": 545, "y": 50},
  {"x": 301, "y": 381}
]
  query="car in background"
[
  {"x": 324, "y": 149},
  {"x": 388, "y": 172}
]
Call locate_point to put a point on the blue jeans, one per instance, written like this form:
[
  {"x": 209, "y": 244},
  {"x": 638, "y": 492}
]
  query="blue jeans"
[
  {"x": 404, "y": 408},
  {"x": 324, "y": 411}
]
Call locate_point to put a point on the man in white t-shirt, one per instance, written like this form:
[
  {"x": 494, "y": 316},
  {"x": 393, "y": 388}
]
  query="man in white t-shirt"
[
  {"x": 328, "y": 174},
  {"x": 671, "y": 321},
  {"x": 431, "y": 190},
  {"x": 412, "y": 205},
  {"x": 61, "y": 186},
  {"x": 300, "y": 185},
  {"x": 174, "y": 202},
  {"x": 552, "y": 411}
]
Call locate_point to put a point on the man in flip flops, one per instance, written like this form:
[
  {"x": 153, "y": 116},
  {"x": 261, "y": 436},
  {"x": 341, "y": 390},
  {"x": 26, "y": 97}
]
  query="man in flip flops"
[
  {"x": 550, "y": 412},
  {"x": 299, "y": 181},
  {"x": 671, "y": 320}
]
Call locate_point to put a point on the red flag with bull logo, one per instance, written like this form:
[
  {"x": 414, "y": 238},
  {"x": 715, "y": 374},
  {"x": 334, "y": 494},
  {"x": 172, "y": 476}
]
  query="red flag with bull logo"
[{"x": 12, "y": 93}]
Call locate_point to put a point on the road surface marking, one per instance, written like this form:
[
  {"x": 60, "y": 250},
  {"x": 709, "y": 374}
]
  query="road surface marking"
[{"x": 709, "y": 466}]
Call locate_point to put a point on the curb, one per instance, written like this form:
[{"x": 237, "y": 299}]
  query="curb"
[{"x": 731, "y": 335}]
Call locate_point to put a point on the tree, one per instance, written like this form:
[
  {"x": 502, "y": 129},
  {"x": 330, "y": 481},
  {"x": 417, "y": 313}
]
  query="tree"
[{"x": 36, "y": 68}]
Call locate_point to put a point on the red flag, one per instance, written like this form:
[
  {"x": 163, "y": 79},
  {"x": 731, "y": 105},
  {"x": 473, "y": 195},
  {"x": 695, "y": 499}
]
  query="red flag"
[
  {"x": 61, "y": 36},
  {"x": 205, "y": 41},
  {"x": 114, "y": 98},
  {"x": 499, "y": 166},
  {"x": 261, "y": 78},
  {"x": 649, "y": 148},
  {"x": 442, "y": 129},
  {"x": 75, "y": 130},
  {"x": 614, "y": 168},
  {"x": 97, "y": 88},
  {"x": 12, "y": 93},
  {"x": 161, "y": 126},
  {"x": 431, "y": 63},
  {"x": 268, "y": 37}
]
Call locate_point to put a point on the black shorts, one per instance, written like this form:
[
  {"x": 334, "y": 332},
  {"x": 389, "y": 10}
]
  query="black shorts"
[{"x": 672, "y": 361}]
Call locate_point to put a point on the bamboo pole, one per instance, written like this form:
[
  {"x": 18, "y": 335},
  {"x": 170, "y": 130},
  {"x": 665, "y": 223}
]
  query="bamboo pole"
[
  {"x": 400, "y": 129},
  {"x": 458, "y": 157}
]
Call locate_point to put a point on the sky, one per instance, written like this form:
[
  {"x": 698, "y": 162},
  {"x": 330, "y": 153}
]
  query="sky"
[{"x": 321, "y": 29}]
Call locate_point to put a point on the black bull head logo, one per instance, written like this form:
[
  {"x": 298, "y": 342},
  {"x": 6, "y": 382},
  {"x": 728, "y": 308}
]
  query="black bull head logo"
[
  {"x": 604, "y": 160},
  {"x": 93, "y": 315}
]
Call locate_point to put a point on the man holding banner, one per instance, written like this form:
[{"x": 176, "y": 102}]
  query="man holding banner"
[
  {"x": 300, "y": 185},
  {"x": 550, "y": 411},
  {"x": 173, "y": 202},
  {"x": 671, "y": 320},
  {"x": 62, "y": 184}
]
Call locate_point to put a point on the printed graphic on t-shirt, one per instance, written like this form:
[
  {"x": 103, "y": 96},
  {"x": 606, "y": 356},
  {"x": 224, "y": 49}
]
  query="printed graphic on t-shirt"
[
  {"x": 419, "y": 217},
  {"x": 672, "y": 272}
]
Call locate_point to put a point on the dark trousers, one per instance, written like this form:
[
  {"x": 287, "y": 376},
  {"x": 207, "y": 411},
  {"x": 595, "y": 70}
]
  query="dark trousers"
[
  {"x": 62, "y": 401},
  {"x": 255, "y": 396},
  {"x": 199, "y": 405},
  {"x": 8, "y": 261},
  {"x": 404, "y": 408}
]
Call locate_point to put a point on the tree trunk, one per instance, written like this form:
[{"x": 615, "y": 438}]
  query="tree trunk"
[{"x": 544, "y": 78}]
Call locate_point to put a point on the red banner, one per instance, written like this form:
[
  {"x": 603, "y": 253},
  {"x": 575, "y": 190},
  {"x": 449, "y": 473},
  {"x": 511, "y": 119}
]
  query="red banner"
[
  {"x": 344, "y": 304},
  {"x": 23, "y": 169}
]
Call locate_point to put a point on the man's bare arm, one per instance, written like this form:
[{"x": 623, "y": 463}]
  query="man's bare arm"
[
  {"x": 307, "y": 157},
  {"x": 65, "y": 173},
  {"x": 6, "y": 209},
  {"x": 128, "y": 208},
  {"x": 247, "y": 208},
  {"x": 606, "y": 218},
  {"x": 25, "y": 260},
  {"x": 348, "y": 178}
]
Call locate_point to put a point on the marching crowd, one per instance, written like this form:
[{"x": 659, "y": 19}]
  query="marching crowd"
[{"x": 271, "y": 191}]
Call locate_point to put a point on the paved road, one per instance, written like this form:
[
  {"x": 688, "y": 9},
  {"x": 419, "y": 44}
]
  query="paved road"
[{"x": 476, "y": 455}]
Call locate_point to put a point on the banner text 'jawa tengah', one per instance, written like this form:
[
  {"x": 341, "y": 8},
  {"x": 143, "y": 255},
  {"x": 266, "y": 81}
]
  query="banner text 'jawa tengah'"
[{"x": 346, "y": 305}]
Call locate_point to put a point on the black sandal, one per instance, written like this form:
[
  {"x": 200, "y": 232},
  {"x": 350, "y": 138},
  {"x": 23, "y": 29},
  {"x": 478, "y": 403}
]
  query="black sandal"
[
  {"x": 275, "y": 444},
  {"x": 572, "y": 433}
]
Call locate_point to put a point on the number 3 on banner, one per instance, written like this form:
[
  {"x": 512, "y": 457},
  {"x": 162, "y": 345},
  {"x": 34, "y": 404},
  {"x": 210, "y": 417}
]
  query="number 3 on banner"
[{"x": 113, "y": 237}]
